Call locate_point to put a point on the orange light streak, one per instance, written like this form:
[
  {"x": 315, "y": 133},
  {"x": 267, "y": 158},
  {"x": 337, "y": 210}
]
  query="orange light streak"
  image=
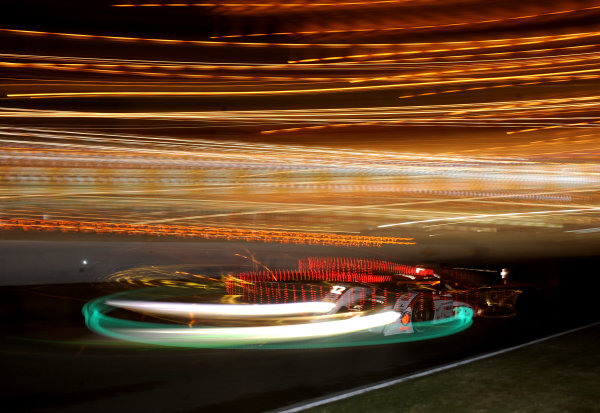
[
  {"x": 568, "y": 125},
  {"x": 190, "y": 42},
  {"x": 499, "y": 67},
  {"x": 481, "y": 44},
  {"x": 202, "y": 232},
  {"x": 80, "y": 67},
  {"x": 295, "y": 91},
  {"x": 444, "y": 59},
  {"x": 447, "y": 46},
  {"x": 430, "y": 26},
  {"x": 269, "y": 5},
  {"x": 101, "y": 68}
]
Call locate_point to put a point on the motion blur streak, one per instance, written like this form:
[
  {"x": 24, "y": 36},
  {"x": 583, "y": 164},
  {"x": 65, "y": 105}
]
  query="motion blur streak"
[
  {"x": 475, "y": 217},
  {"x": 261, "y": 4},
  {"x": 207, "y": 310},
  {"x": 236, "y": 336},
  {"x": 289, "y": 175},
  {"x": 379, "y": 315},
  {"x": 543, "y": 76},
  {"x": 200, "y": 42},
  {"x": 512, "y": 113},
  {"x": 362, "y": 123},
  {"x": 429, "y": 26},
  {"x": 271, "y": 337},
  {"x": 241, "y": 335},
  {"x": 202, "y": 232},
  {"x": 203, "y": 185}
]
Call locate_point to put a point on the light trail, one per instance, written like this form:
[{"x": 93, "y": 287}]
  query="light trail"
[
  {"x": 255, "y": 335},
  {"x": 222, "y": 310},
  {"x": 296, "y": 91},
  {"x": 125, "y": 69},
  {"x": 568, "y": 125},
  {"x": 80, "y": 67},
  {"x": 203, "y": 232},
  {"x": 505, "y": 136},
  {"x": 457, "y": 72},
  {"x": 283, "y": 294},
  {"x": 361, "y": 30},
  {"x": 264, "y": 4},
  {"x": 508, "y": 214},
  {"x": 487, "y": 43},
  {"x": 448, "y": 46},
  {"x": 566, "y": 79},
  {"x": 371, "y": 65},
  {"x": 459, "y": 59},
  {"x": 505, "y": 113},
  {"x": 193, "y": 42}
]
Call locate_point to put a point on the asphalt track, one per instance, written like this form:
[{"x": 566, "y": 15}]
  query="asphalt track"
[{"x": 51, "y": 362}]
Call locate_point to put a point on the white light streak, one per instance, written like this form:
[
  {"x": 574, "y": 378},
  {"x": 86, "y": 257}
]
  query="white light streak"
[
  {"x": 219, "y": 310},
  {"x": 249, "y": 335},
  {"x": 508, "y": 214}
]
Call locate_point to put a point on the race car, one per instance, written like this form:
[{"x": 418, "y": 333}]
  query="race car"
[{"x": 414, "y": 307}]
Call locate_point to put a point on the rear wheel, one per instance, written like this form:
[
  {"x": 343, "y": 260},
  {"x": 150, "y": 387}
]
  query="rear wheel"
[{"x": 422, "y": 310}]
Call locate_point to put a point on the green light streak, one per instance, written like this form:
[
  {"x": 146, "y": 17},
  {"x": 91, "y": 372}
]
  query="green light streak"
[{"x": 97, "y": 319}]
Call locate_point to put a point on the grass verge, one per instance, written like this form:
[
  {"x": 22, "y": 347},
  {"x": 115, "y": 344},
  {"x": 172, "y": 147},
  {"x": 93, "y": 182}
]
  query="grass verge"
[{"x": 558, "y": 375}]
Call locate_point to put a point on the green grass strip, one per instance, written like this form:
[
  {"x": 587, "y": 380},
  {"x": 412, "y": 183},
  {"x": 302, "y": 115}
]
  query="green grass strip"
[{"x": 558, "y": 375}]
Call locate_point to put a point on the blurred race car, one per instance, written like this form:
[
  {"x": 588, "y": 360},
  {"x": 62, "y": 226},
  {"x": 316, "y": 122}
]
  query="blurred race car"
[
  {"x": 414, "y": 306},
  {"x": 417, "y": 293}
]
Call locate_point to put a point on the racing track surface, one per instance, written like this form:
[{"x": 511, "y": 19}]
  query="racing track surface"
[{"x": 51, "y": 362}]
